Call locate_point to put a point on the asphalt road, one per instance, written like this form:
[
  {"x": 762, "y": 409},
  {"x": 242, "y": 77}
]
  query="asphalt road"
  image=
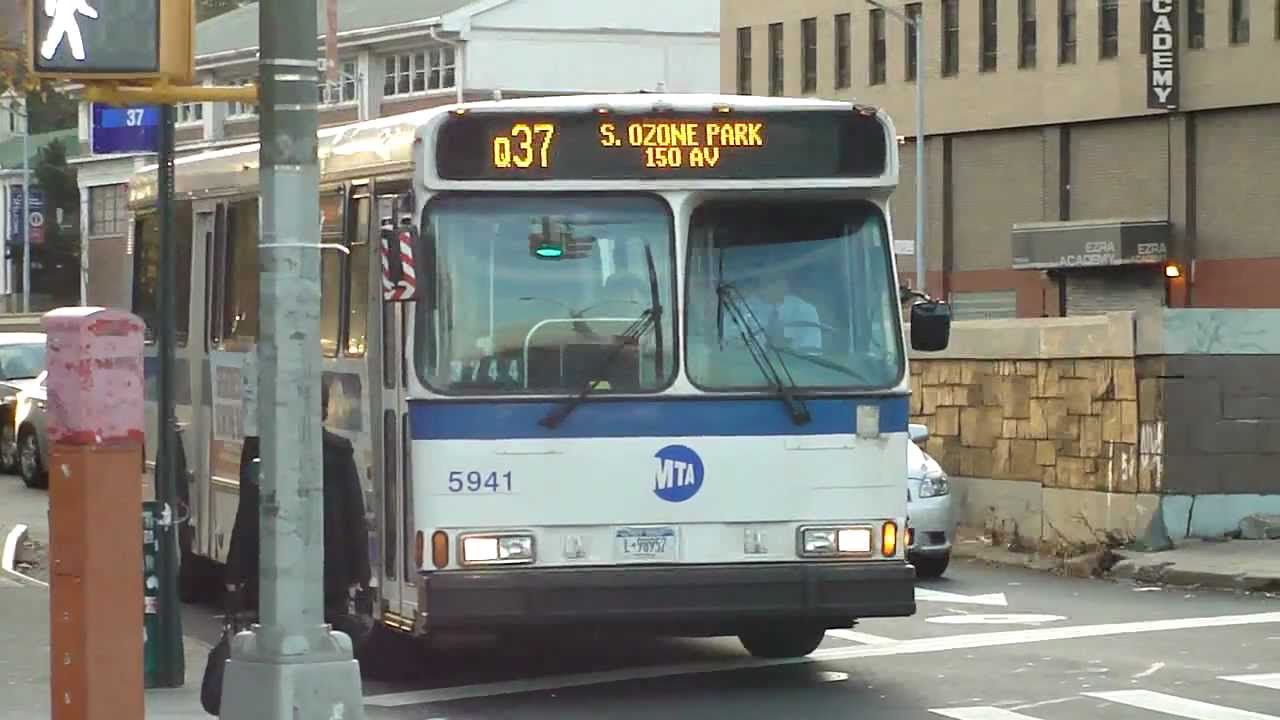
[{"x": 987, "y": 643}]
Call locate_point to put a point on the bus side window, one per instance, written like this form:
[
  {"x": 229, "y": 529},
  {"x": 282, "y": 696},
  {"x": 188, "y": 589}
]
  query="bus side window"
[
  {"x": 215, "y": 276},
  {"x": 331, "y": 266},
  {"x": 237, "y": 273},
  {"x": 358, "y": 279}
]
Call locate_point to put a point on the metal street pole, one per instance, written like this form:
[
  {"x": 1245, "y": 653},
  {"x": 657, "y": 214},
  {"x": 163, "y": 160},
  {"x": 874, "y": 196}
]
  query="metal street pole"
[
  {"x": 291, "y": 665},
  {"x": 26, "y": 214},
  {"x": 170, "y": 658},
  {"x": 921, "y": 199}
]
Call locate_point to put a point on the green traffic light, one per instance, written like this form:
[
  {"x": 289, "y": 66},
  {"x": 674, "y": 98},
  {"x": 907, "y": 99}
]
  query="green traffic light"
[{"x": 549, "y": 251}]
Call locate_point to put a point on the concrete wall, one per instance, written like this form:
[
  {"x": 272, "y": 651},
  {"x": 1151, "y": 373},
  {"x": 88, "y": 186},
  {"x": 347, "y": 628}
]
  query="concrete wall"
[{"x": 1075, "y": 430}]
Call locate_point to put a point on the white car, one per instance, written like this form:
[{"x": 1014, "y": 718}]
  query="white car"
[{"x": 930, "y": 521}]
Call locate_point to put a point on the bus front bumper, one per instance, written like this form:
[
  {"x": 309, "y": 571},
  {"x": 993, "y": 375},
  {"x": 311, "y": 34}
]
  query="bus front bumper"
[{"x": 699, "y": 599}]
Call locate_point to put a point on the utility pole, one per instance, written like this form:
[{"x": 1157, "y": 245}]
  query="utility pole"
[
  {"x": 291, "y": 665},
  {"x": 917, "y": 24},
  {"x": 170, "y": 658},
  {"x": 26, "y": 210}
]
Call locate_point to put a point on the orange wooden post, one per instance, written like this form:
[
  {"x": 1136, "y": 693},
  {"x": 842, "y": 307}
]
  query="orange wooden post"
[{"x": 95, "y": 422}]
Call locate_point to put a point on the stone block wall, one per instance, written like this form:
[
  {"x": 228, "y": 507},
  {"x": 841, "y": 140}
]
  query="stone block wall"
[
  {"x": 1072, "y": 429},
  {"x": 1062, "y": 423}
]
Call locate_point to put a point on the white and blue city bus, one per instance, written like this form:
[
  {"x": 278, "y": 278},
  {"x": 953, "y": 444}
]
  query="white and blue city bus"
[{"x": 639, "y": 362}]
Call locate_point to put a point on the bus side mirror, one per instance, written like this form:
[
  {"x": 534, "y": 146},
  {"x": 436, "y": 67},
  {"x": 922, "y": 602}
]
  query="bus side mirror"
[
  {"x": 930, "y": 326},
  {"x": 399, "y": 269}
]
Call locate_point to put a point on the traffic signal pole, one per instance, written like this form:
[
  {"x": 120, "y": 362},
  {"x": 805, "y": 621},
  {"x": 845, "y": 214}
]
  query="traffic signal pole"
[
  {"x": 170, "y": 660},
  {"x": 291, "y": 665}
]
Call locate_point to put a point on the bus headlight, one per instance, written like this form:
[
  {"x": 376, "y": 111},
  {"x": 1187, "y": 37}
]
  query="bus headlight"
[
  {"x": 829, "y": 542},
  {"x": 497, "y": 549}
]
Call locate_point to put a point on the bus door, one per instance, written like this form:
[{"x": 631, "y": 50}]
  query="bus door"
[{"x": 394, "y": 205}]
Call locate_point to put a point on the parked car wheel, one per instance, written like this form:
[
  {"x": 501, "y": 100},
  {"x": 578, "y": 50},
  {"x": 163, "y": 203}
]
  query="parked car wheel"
[
  {"x": 931, "y": 566},
  {"x": 30, "y": 466}
]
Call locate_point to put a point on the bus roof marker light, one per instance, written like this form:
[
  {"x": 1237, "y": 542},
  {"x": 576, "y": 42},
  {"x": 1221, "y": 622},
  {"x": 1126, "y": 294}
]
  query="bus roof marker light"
[
  {"x": 723, "y": 109},
  {"x": 549, "y": 251}
]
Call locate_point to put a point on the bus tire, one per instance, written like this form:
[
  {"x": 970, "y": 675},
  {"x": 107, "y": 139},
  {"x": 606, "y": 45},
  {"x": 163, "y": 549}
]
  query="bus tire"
[{"x": 783, "y": 641}]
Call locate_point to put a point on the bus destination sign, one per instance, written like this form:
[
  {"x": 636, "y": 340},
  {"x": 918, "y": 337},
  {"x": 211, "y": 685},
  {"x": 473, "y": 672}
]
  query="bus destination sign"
[{"x": 656, "y": 146}]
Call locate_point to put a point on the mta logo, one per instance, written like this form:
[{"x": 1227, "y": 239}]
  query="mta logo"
[{"x": 679, "y": 473}]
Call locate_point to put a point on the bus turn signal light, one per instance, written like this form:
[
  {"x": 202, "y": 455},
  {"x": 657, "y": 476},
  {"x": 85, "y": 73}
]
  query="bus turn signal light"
[
  {"x": 440, "y": 549},
  {"x": 889, "y": 539}
]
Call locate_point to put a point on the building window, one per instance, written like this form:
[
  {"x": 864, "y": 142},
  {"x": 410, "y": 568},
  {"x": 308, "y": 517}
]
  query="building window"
[
  {"x": 775, "y": 59},
  {"x": 1026, "y": 33},
  {"x": 188, "y": 113},
  {"x": 876, "y": 32},
  {"x": 342, "y": 91},
  {"x": 950, "y": 37},
  {"x": 239, "y": 109},
  {"x": 1108, "y": 29},
  {"x": 809, "y": 54},
  {"x": 990, "y": 39},
  {"x": 1066, "y": 32},
  {"x": 744, "y": 61},
  {"x": 913, "y": 59},
  {"x": 844, "y": 42},
  {"x": 1239, "y": 22},
  {"x": 407, "y": 73},
  {"x": 1195, "y": 25},
  {"x": 107, "y": 210}
]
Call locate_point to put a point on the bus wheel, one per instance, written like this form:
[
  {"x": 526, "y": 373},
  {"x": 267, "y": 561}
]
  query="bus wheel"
[{"x": 783, "y": 641}]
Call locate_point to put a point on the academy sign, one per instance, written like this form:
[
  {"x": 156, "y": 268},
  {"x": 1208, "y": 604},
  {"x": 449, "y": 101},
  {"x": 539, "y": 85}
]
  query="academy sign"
[{"x": 1162, "y": 58}]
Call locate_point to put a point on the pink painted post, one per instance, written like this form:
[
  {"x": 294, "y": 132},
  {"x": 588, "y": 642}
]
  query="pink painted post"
[{"x": 95, "y": 427}]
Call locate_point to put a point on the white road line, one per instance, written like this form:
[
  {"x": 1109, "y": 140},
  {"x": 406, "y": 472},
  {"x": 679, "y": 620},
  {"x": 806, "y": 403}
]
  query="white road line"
[
  {"x": 1271, "y": 680},
  {"x": 1155, "y": 668},
  {"x": 904, "y": 647},
  {"x": 993, "y": 599},
  {"x": 9, "y": 555},
  {"x": 1180, "y": 707},
  {"x": 860, "y": 637},
  {"x": 981, "y": 712}
]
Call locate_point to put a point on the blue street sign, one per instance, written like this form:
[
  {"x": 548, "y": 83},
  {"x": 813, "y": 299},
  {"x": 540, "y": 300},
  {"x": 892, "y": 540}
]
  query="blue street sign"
[{"x": 123, "y": 130}]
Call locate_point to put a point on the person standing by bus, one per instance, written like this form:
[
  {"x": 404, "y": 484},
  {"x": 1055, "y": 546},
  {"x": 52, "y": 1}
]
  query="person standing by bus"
[{"x": 346, "y": 557}]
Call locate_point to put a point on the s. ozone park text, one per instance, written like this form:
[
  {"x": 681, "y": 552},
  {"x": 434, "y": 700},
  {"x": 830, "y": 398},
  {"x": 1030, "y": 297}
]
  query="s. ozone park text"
[{"x": 665, "y": 143}]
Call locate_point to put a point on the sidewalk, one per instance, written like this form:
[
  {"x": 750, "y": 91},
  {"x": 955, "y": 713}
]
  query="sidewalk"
[
  {"x": 1248, "y": 565},
  {"x": 24, "y": 662}
]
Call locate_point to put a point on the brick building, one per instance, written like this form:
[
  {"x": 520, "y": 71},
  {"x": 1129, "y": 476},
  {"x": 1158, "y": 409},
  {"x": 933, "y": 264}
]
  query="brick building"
[{"x": 1054, "y": 188}]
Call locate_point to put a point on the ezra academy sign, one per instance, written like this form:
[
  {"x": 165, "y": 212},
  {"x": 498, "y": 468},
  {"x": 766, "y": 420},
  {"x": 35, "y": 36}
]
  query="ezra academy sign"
[{"x": 1162, "y": 58}]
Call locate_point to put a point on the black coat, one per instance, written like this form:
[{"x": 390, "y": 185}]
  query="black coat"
[{"x": 346, "y": 534}]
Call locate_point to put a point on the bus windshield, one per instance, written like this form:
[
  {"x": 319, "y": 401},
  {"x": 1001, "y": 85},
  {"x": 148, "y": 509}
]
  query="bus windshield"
[
  {"x": 539, "y": 294},
  {"x": 811, "y": 280}
]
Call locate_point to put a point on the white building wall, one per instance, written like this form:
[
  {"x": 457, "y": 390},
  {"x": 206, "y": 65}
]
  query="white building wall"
[
  {"x": 662, "y": 16},
  {"x": 554, "y": 62}
]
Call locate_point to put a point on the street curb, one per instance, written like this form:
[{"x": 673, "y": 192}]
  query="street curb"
[
  {"x": 1168, "y": 573},
  {"x": 10, "y": 554}
]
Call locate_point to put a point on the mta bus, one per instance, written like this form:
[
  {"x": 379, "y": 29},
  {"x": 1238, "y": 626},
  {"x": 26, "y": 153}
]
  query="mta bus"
[{"x": 628, "y": 361}]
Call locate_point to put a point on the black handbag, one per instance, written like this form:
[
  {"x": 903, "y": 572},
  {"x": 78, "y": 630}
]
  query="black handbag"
[{"x": 216, "y": 667}]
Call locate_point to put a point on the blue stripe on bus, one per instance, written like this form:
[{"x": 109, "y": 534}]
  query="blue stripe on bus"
[{"x": 668, "y": 417}]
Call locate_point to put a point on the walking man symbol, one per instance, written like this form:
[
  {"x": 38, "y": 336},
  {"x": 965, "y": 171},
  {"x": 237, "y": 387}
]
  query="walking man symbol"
[{"x": 64, "y": 24}]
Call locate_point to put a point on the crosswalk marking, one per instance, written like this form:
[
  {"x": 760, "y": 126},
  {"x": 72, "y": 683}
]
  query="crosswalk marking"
[
  {"x": 983, "y": 712},
  {"x": 1270, "y": 680},
  {"x": 1177, "y": 706},
  {"x": 859, "y": 637}
]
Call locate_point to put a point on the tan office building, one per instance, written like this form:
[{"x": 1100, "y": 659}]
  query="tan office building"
[{"x": 1064, "y": 173}]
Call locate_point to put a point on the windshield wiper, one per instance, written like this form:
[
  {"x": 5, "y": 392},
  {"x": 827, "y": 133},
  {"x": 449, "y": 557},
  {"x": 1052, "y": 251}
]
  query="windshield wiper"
[
  {"x": 730, "y": 298},
  {"x": 648, "y": 318},
  {"x": 822, "y": 362}
]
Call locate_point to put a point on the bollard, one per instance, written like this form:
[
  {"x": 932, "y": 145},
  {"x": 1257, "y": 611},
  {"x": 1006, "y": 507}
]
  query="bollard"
[{"x": 95, "y": 421}]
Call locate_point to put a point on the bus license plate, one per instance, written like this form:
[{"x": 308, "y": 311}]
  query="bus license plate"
[{"x": 652, "y": 543}]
